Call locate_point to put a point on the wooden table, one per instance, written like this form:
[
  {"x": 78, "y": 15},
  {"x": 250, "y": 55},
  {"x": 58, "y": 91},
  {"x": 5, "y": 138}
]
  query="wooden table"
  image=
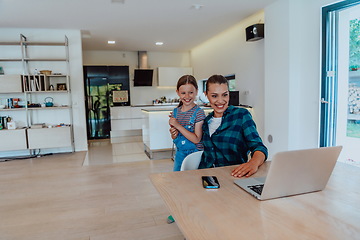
[{"x": 231, "y": 213}]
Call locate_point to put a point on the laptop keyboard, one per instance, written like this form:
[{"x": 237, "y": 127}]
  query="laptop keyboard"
[{"x": 257, "y": 188}]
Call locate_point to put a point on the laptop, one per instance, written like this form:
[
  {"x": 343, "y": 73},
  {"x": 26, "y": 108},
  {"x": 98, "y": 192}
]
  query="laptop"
[{"x": 293, "y": 172}]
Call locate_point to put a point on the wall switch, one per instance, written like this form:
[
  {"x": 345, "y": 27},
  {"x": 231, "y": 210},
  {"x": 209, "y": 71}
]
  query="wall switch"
[{"x": 246, "y": 92}]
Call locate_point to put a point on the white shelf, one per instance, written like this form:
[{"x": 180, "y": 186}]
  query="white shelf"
[
  {"x": 33, "y": 88},
  {"x": 48, "y": 108},
  {"x": 12, "y": 109}
]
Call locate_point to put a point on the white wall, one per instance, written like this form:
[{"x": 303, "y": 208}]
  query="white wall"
[
  {"x": 292, "y": 74},
  {"x": 76, "y": 73},
  {"x": 141, "y": 95},
  {"x": 229, "y": 53}
]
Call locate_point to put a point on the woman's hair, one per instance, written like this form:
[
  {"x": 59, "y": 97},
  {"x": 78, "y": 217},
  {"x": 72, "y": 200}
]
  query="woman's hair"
[
  {"x": 216, "y": 79},
  {"x": 186, "y": 79}
]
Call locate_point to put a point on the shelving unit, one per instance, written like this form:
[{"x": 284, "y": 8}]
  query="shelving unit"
[{"x": 33, "y": 90}]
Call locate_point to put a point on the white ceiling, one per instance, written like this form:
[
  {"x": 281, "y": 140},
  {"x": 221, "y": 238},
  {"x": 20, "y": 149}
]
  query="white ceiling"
[{"x": 135, "y": 25}]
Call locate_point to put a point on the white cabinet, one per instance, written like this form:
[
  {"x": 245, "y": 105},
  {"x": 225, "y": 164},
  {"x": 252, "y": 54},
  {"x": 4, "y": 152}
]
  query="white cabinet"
[
  {"x": 125, "y": 119},
  {"x": 10, "y": 83},
  {"x": 13, "y": 140},
  {"x": 49, "y": 137},
  {"x": 168, "y": 76}
]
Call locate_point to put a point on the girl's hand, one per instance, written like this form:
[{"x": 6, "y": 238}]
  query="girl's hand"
[
  {"x": 173, "y": 122},
  {"x": 173, "y": 132}
]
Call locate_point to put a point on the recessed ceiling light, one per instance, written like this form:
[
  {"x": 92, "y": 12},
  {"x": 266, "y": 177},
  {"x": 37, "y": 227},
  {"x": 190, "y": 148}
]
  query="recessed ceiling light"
[
  {"x": 111, "y": 42},
  {"x": 159, "y": 43},
  {"x": 197, "y": 6},
  {"x": 118, "y": 1}
]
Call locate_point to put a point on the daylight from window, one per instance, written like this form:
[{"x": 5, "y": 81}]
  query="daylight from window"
[{"x": 353, "y": 122}]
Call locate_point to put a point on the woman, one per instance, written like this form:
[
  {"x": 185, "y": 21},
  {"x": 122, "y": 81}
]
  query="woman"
[{"x": 229, "y": 133}]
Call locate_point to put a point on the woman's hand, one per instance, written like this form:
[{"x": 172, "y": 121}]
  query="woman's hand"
[
  {"x": 245, "y": 169},
  {"x": 249, "y": 168}
]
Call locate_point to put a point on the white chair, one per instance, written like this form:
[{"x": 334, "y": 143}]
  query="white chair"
[{"x": 191, "y": 161}]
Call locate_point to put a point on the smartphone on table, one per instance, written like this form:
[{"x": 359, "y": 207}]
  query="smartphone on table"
[{"x": 210, "y": 182}]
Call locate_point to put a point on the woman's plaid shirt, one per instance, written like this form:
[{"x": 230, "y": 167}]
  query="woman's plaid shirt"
[{"x": 234, "y": 139}]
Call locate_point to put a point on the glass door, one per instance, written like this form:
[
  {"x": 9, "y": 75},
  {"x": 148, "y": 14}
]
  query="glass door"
[
  {"x": 340, "y": 107},
  {"x": 98, "y": 108}
]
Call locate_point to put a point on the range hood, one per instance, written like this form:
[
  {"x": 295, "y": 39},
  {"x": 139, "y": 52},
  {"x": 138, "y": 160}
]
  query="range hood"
[
  {"x": 143, "y": 76},
  {"x": 142, "y": 60}
]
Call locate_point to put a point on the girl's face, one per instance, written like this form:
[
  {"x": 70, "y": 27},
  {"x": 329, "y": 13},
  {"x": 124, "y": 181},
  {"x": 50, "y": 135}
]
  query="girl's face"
[
  {"x": 187, "y": 94},
  {"x": 218, "y": 95}
]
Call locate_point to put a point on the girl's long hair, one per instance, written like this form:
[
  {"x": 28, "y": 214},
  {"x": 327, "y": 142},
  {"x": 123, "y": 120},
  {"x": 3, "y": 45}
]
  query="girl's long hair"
[{"x": 186, "y": 79}]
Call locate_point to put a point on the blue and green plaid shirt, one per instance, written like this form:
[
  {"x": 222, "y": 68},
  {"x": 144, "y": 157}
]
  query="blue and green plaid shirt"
[{"x": 234, "y": 139}]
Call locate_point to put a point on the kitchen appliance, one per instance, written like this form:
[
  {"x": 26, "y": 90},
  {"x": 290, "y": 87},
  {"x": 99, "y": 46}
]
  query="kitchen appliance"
[
  {"x": 234, "y": 98},
  {"x": 143, "y": 77},
  {"x": 105, "y": 87}
]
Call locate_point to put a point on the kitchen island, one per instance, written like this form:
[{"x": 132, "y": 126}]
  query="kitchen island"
[
  {"x": 155, "y": 130},
  {"x": 128, "y": 120}
]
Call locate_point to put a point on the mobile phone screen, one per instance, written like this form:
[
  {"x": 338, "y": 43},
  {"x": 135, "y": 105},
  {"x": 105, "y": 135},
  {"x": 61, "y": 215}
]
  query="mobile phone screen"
[{"x": 210, "y": 182}]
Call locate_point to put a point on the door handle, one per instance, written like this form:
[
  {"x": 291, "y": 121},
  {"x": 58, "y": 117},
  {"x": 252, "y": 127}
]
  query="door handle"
[{"x": 323, "y": 101}]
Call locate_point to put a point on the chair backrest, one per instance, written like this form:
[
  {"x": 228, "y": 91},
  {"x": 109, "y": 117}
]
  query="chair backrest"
[{"x": 191, "y": 161}]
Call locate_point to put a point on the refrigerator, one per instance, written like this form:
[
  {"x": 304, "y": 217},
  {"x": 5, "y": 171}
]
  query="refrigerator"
[{"x": 105, "y": 87}]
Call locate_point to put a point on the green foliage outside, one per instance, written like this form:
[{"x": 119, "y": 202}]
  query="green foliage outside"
[
  {"x": 353, "y": 130},
  {"x": 354, "y": 44}
]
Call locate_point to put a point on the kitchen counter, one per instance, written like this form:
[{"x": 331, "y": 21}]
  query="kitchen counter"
[
  {"x": 157, "y": 105},
  {"x": 156, "y": 108},
  {"x": 155, "y": 131}
]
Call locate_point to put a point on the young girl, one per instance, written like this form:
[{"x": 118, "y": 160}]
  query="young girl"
[{"x": 186, "y": 121}]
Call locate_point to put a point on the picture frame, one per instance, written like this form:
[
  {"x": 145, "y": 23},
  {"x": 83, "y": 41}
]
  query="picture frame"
[
  {"x": 61, "y": 87},
  {"x": 1, "y": 70}
]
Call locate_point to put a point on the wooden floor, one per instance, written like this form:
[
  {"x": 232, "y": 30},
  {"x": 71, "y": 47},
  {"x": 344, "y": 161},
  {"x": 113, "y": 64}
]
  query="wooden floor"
[{"x": 60, "y": 197}]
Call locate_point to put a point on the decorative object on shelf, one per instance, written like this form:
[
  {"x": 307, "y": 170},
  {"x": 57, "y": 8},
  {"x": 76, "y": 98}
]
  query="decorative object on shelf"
[
  {"x": 49, "y": 102},
  {"x": 51, "y": 88},
  {"x": 46, "y": 72},
  {"x": 1, "y": 71},
  {"x": 11, "y": 125},
  {"x": 34, "y": 105},
  {"x": 61, "y": 86},
  {"x": 37, "y": 125},
  {"x": 120, "y": 96}
]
